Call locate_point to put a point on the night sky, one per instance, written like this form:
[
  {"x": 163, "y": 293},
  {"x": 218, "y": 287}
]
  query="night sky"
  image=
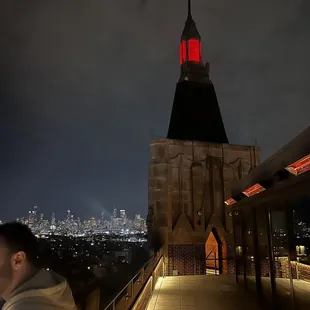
[{"x": 85, "y": 85}]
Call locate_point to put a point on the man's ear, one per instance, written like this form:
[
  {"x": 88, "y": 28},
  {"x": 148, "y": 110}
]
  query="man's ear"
[{"x": 17, "y": 260}]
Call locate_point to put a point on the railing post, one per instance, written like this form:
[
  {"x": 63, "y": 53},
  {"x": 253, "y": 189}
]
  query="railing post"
[
  {"x": 151, "y": 286},
  {"x": 114, "y": 304},
  {"x": 153, "y": 280},
  {"x": 163, "y": 267},
  {"x": 297, "y": 270},
  {"x": 215, "y": 263}
]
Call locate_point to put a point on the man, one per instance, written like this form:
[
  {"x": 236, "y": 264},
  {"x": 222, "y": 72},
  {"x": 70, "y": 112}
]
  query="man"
[{"x": 22, "y": 285}]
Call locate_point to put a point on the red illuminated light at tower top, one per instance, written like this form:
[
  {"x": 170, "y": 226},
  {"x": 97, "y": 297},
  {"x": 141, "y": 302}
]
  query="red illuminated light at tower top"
[{"x": 190, "y": 47}]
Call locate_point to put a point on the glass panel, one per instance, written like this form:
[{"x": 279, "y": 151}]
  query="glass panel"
[
  {"x": 194, "y": 50},
  {"x": 280, "y": 252},
  {"x": 239, "y": 250},
  {"x": 249, "y": 252},
  {"x": 300, "y": 256},
  {"x": 263, "y": 251}
]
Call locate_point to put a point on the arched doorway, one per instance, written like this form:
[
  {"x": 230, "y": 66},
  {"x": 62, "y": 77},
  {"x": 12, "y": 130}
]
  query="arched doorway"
[{"x": 216, "y": 254}]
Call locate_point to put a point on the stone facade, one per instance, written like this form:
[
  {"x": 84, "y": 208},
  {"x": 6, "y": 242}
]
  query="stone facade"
[{"x": 188, "y": 183}]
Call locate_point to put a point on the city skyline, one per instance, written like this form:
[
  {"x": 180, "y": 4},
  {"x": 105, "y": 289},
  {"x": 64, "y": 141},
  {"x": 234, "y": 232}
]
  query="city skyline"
[
  {"x": 105, "y": 213},
  {"x": 72, "y": 225},
  {"x": 82, "y": 95}
]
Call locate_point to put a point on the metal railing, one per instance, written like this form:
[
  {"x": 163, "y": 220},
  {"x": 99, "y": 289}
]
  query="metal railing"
[
  {"x": 220, "y": 265},
  {"x": 146, "y": 277},
  {"x": 300, "y": 271},
  {"x": 216, "y": 270}
]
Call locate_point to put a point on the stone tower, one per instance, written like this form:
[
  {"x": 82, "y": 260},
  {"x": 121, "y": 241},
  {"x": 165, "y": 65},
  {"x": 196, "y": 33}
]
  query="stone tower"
[{"x": 190, "y": 172}]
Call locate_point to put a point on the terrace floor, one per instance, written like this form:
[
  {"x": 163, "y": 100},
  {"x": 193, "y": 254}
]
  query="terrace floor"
[{"x": 198, "y": 293}]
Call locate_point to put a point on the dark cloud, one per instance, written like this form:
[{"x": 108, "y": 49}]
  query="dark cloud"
[{"x": 86, "y": 84}]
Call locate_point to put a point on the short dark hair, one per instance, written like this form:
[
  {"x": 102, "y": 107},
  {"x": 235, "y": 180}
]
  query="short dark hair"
[{"x": 18, "y": 237}]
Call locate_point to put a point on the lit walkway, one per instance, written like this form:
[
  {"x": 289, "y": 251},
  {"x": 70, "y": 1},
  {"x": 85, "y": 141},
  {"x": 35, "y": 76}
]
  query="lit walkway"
[{"x": 199, "y": 292}]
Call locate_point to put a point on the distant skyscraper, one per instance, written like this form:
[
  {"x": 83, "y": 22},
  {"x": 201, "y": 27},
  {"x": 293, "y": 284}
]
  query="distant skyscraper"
[
  {"x": 53, "y": 219},
  {"x": 32, "y": 216},
  {"x": 114, "y": 212},
  {"x": 122, "y": 214},
  {"x": 68, "y": 215},
  {"x": 35, "y": 212}
]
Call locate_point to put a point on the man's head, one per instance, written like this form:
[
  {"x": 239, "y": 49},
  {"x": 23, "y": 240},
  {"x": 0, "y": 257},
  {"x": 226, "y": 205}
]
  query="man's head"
[{"x": 18, "y": 254}]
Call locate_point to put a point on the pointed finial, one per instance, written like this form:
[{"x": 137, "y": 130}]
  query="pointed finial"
[{"x": 189, "y": 9}]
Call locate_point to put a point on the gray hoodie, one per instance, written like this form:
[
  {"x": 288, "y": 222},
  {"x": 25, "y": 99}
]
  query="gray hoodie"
[{"x": 46, "y": 290}]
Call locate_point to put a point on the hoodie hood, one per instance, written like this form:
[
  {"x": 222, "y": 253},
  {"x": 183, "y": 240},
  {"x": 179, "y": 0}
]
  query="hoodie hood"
[{"x": 46, "y": 290}]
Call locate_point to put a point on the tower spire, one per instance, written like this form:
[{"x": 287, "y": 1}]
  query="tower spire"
[
  {"x": 195, "y": 113},
  {"x": 189, "y": 9}
]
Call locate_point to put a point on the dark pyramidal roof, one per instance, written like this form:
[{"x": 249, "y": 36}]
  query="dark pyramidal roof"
[{"x": 195, "y": 113}]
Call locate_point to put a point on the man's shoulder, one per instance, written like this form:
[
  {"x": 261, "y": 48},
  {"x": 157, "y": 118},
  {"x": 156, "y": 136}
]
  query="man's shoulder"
[{"x": 33, "y": 303}]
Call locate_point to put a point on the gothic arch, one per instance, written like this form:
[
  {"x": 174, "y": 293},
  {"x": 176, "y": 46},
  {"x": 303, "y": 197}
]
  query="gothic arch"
[{"x": 216, "y": 252}]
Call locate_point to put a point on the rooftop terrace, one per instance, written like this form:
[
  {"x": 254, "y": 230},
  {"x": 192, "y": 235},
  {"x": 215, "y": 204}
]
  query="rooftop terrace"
[{"x": 198, "y": 293}]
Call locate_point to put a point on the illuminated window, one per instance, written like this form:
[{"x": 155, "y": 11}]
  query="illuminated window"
[
  {"x": 300, "y": 166},
  {"x": 301, "y": 251},
  {"x": 253, "y": 190},
  {"x": 194, "y": 50},
  {"x": 182, "y": 52},
  {"x": 239, "y": 250}
]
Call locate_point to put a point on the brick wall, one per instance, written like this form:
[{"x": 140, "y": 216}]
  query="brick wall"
[
  {"x": 187, "y": 259},
  {"x": 230, "y": 259},
  {"x": 264, "y": 266},
  {"x": 250, "y": 267}
]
